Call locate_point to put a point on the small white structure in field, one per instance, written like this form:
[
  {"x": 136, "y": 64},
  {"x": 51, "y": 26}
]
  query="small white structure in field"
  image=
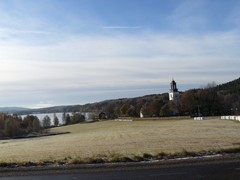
[
  {"x": 237, "y": 118},
  {"x": 198, "y": 118},
  {"x": 141, "y": 113}
]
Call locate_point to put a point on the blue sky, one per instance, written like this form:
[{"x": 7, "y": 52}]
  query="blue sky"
[{"x": 60, "y": 52}]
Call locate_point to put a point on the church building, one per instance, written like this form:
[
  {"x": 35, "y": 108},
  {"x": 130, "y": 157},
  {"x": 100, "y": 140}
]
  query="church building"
[{"x": 173, "y": 93}]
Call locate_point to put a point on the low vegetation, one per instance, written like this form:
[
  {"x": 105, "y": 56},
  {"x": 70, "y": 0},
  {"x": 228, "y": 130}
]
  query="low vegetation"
[{"x": 120, "y": 141}]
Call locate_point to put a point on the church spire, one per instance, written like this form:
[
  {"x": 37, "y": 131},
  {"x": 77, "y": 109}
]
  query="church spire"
[{"x": 173, "y": 86}]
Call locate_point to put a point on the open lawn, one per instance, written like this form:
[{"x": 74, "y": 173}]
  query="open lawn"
[{"x": 114, "y": 138}]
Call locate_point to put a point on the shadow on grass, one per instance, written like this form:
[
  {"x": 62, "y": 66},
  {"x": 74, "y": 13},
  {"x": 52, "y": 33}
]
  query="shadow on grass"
[{"x": 37, "y": 135}]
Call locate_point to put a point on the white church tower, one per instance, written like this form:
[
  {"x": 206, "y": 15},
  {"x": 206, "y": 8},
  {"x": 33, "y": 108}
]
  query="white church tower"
[{"x": 173, "y": 93}]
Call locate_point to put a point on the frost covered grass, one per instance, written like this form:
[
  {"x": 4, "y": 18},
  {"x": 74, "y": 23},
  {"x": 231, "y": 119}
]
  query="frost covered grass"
[{"x": 114, "y": 141}]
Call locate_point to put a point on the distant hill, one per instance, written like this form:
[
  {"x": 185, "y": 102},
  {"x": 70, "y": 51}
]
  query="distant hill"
[
  {"x": 103, "y": 106},
  {"x": 232, "y": 87},
  {"x": 223, "y": 99},
  {"x": 13, "y": 109}
]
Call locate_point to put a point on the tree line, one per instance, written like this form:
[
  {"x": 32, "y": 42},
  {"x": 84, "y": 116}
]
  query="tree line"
[
  {"x": 210, "y": 100},
  {"x": 14, "y": 126},
  {"x": 74, "y": 118}
]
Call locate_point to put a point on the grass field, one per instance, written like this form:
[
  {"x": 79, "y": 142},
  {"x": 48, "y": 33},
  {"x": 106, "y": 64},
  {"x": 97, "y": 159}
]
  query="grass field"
[{"x": 126, "y": 139}]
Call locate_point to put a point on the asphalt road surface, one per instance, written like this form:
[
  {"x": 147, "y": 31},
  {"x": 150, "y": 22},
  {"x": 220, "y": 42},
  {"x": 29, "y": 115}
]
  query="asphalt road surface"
[{"x": 200, "y": 170}]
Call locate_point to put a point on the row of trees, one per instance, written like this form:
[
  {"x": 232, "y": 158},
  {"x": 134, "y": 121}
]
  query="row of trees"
[
  {"x": 207, "y": 101},
  {"x": 46, "y": 122},
  {"x": 67, "y": 119},
  {"x": 149, "y": 106},
  {"x": 14, "y": 126},
  {"x": 71, "y": 119},
  {"x": 210, "y": 101}
]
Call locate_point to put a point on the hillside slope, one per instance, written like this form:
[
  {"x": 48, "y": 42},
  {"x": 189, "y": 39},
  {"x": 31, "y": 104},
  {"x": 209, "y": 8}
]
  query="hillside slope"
[{"x": 232, "y": 87}]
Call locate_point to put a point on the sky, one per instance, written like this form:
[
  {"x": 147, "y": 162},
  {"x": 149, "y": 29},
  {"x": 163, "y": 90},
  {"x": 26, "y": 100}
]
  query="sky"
[{"x": 67, "y": 52}]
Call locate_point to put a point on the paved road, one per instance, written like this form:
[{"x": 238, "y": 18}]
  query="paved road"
[{"x": 209, "y": 170}]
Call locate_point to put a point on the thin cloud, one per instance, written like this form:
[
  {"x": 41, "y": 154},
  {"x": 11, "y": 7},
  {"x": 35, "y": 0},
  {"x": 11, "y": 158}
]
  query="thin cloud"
[
  {"x": 120, "y": 27},
  {"x": 119, "y": 60},
  {"x": 10, "y": 31},
  {"x": 188, "y": 16}
]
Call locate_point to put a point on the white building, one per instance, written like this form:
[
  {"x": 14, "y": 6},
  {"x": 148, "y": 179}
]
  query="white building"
[
  {"x": 141, "y": 113},
  {"x": 173, "y": 93}
]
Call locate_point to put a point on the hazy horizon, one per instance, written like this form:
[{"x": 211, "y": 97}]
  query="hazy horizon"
[{"x": 62, "y": 52}]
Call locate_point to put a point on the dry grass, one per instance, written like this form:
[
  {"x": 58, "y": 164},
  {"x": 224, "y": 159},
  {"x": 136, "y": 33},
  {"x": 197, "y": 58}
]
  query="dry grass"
[{"x": 113, "y": 140}]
